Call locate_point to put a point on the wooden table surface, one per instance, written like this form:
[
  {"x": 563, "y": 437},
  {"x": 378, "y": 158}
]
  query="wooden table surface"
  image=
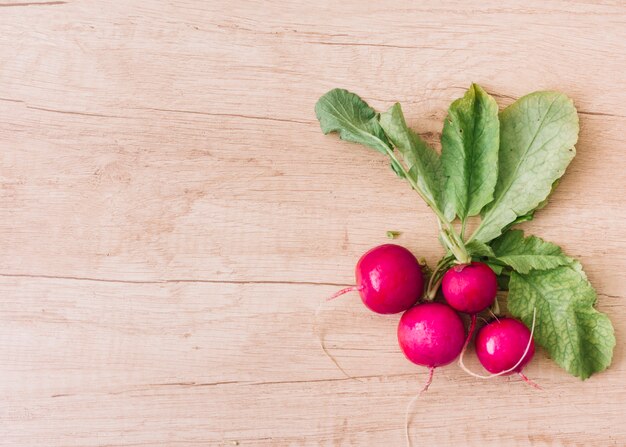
[{"x": 171, "y": 215}]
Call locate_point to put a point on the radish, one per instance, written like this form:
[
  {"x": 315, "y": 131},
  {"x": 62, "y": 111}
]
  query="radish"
[
  {"x": 469, "y": 288},
  {"x": 431, "y": 335},
  {"x": 388, "y": 278},
  {"x": 494, "y": 171},
  {"x": 504, "y": 347}
]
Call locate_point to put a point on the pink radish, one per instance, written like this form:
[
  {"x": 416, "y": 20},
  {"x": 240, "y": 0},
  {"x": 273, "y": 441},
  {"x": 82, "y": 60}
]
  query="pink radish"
[
  {"x": 431, "y": 335},
  {"x": 388, "y": 278},
  {"x": 469, "y": 288},
  {"x": 504, "y": 347}
]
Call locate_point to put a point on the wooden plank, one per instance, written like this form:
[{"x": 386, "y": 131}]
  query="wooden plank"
[
  {"x": 171, "y": 217},
  {"x": 101, "y": 363}
]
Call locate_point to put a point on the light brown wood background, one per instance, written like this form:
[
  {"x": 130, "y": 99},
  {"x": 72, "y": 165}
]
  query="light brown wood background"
[{"x": 171, "y": 215}]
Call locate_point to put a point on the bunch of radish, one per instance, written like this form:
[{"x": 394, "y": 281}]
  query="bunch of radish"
[
  {"x": 496, "y": 169},
  {"x": 390, "y": 280}
]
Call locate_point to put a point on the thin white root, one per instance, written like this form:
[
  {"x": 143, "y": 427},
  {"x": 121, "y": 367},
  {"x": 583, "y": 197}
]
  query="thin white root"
[
  {"x": 320, "y": 335},
  {"x": 406, "y": 418},
  {"x": 467, "y": 340},
  {"x": 491, "y": 376},
  {"x": 412, "y": 401},
  {"x": 495, "y": 308},
  {"x": 494, "y": 315}
]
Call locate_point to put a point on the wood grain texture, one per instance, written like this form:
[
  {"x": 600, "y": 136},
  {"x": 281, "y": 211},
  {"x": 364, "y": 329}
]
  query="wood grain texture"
[{"x": 171, "y": 216}]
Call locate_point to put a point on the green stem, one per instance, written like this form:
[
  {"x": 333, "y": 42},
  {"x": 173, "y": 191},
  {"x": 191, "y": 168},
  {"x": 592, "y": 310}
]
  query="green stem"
[
  {"x": 495, "y": 307},
  {"x": 448, "y": 243},
  {"x": 450, "y": 237},
  {"x": 456, "y": 246},
  {"x": 436, "y": 277},
  {"x": 392, "y": 155}
]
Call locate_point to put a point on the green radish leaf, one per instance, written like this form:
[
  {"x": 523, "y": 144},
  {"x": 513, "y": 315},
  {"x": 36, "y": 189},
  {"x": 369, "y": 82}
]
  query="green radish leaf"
[
  {"x": 345, "y": 113},
  {"x": 422, "y": 162},
  {"x": 497, "y": 269},
  {"x": 531, "y": 214},
  {"x": 537, "y": 137},
  {"x": 478, "y": 249},
  {"x": 526, "y": 254},
  {"x": 469, "y": 152},
  {"x": 578, "y": 337},
  {"x": 395, "y": 167}
]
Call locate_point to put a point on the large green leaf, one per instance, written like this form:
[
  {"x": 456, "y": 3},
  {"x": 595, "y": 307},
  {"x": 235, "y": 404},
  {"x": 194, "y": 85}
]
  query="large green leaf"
[
  {"x": 537, "y": 137},
  {"x": 344, "y": 112},
  {"x": 422, "y": 162},
  {"x": 578, "y": 337},
  {"x": 469, "y": 152},
  {"x": 479, "y": 249},
  {"x": 531, "y": 214},
  {"x": 526, "y": 254}
]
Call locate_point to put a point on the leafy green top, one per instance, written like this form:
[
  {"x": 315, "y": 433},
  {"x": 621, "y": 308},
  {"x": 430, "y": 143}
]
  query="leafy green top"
[
  {"x": 422, "y": 162},
  {"x": 524, "y": 255},
  {"x": 537, "y": 137},
  {"x": 470, "y": 141},
  {"x": 502, "y": 167},
  {"x": 344, "y": 112},
  {"x": 577, "y": 337}
]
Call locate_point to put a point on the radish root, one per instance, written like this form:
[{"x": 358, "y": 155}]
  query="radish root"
[
  {"x": 528, "y": 381},
  {"x": 320, "y": 335},
  {"x": 407, "y": 412},
  {"x": 431, "y": 371},
  {"x": 470, "y": 332},
  {"x": 343, "y": 291}
]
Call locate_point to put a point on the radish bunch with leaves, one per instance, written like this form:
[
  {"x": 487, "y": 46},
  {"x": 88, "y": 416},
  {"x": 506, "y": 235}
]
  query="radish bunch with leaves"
[{"x": 500, "y": 166}]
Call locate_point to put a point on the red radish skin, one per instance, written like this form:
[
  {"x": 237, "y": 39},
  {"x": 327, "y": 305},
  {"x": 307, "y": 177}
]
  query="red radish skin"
[
  {"x": 501, "y": 344},
  {"x": 505, "y": 346},
  {"x": 470, "y": 288},
  {"x": 431, "y": 335},
  {"x": 388, "y": 278}
]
